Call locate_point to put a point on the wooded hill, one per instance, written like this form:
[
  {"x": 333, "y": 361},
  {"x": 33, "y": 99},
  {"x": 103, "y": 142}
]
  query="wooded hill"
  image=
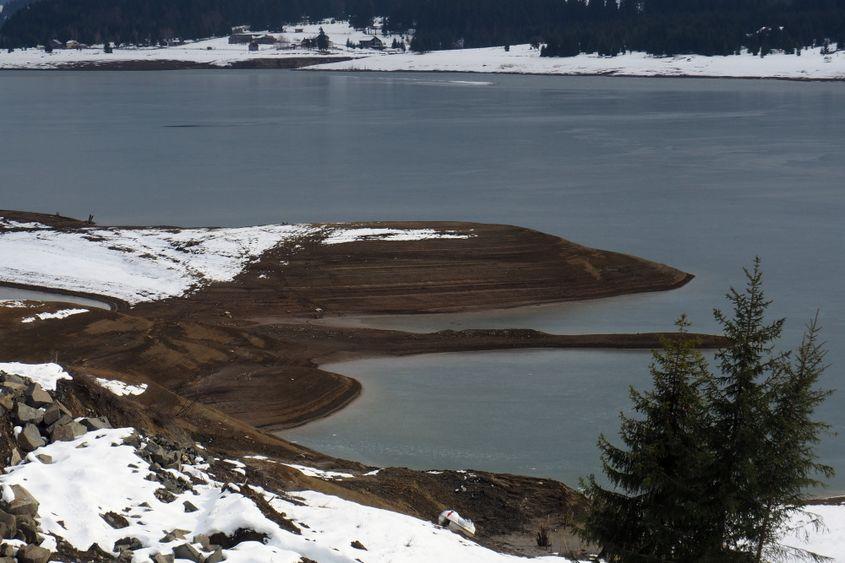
[{"x": 664, "y": 27}]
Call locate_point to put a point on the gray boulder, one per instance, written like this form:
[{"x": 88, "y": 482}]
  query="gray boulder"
[
  {"x": 54, "y": 412},
  {"x": 24, "y": 413},
  {"x": 189, "y": 552},
  {"x": 215, "y": 557},
  {"x": 30, "y": 438},
  {"x": 16, "y": 389},
  {"x": 98, "y": 423},
  {"x": 67, "y": 432},
  {"x": 24, "y": 503},
  {"x": 37, "y": 397},
  {"x": 8, "y": 525},
  {"x": 162, "y": 558},
  {"x": 33, "y": 554},
  {"x": 7, "y": 400}
]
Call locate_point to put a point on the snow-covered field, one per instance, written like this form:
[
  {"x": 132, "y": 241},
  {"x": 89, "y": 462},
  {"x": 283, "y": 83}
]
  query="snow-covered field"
[
  {"x": 522, "y": 59},
  {"x": 137, "y": 265},
  {"x": 214, "y": 51}
]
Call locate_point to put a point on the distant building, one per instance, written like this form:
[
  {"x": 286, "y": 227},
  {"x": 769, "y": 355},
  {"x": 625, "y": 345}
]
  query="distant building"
[
  {"x": 240, "y": 29},
  {"x": 253, "y": 46},
  {"x": 56, "y": 44},
  {"x": 71, "y": 44},
  {"x": 298, "y": 30},
  {"x": 240, "y": 38},
  {"x": 372, "y": 43}
]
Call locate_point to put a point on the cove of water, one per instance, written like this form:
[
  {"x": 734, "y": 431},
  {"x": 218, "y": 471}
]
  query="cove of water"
[
  {"x": 699, "y": 174},
  {"x": 15, "y": 294}
]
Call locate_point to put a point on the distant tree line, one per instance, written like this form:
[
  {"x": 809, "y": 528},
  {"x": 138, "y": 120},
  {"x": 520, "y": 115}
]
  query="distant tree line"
[{"x": 563, "y": 27}]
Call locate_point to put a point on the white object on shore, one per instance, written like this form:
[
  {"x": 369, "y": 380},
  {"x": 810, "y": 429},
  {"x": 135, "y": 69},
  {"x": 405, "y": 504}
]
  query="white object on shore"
[{"x": 452, "y": 520}]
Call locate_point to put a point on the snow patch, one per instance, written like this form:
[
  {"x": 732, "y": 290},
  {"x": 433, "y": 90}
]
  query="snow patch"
[
  {"x": 62, "y": 314},
  {"x": 344, "y": 235},
  {"x": 319, "y": 473},
  {"x": 120, "y": 388},
  {"x": 45, "y": 375}
]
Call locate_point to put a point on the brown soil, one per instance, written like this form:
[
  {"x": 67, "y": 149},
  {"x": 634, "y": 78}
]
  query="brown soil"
[{"x": 233, "y": 360}]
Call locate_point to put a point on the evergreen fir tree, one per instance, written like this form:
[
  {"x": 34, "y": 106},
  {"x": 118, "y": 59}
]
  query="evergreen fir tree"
[
  {"x": 652, "y": 512},
  {"x": 748, "y": 366}
]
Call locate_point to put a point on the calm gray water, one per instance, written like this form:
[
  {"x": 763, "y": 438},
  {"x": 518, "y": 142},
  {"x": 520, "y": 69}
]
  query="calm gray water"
[{"x": 700, "y": 174}]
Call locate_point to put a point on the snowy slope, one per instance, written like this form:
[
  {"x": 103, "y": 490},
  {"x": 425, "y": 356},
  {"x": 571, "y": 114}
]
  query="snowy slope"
[
  {"x": 148, "y": 264},
  {"x": 522, "y": 59},
  {"x": 98, "y": 473},
  {"x": 213, "y": 51}
]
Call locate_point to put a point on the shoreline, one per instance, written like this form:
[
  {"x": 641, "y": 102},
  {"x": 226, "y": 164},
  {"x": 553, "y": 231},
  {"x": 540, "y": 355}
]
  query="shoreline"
[
  {"x": 132, "y": 65},
  {"x": 608, "y": 74},
  {"x": 314, "y": 64}
]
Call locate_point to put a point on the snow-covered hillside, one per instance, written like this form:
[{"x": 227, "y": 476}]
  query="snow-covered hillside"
[
  {"x": 214, "y": 52},
  {"x": 522, "y": 59}
]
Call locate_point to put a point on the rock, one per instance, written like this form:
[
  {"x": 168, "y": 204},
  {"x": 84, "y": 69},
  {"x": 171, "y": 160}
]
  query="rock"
[
  {"x": 63, "y": 419},
  {"x": 14, "y": 457},
  {"x": 7, "y": 400},
  {"x": 215, "y": 557},
  {"x": 24, "y": 503},
  {"x": 8, "y": 525},
  {"x": 11, "y": 377},
  {"x": 28, "y": 529},
  {"x": 67, "y": 432},
  {"x": 7, "y": 550},
  {"x": 30, "y": 438},
  {"x": 164, "y": 495},
  {"x": 162, "y": 558},
  {"x": 204, "y": 542},
  {"x": 37, "y": 396},
  {"x": 240, "y": 535},
  {"x": 98, "y": 423},
  {"x": 129, "y": 543},
  {"x": 16, "y": 389},
  {"x": 54, "y": 412},
  {"x": 7, "y": 559},
  {"x": 115, "y": 520},
  {"x": 24, "y": 413},
  {"x": 189, "y": 552},
  {"x": 358, "y": 545},
  {"x": 44, "y": 458},
  {"x": 189, "y": 506},
  {"x": 33, "y": 554},
  {"x": 165, "y": 458}
]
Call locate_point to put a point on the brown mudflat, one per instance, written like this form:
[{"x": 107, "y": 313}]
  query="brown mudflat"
[{"x": 232, "y": 360}]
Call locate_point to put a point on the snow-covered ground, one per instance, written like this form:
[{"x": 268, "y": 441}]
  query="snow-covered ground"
[
  {"x": 214, "y": 51},
  {"x": 98, "y": 473},
  {"x": 148, "y": 264},
  {"x": 522, "y": 59}
]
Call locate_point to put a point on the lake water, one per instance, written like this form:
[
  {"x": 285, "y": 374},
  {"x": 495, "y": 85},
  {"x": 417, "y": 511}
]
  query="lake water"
[{"x": 700, "y": 174}]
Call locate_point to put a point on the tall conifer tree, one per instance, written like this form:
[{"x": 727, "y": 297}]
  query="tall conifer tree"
[{"x": 651, "y": 513}]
